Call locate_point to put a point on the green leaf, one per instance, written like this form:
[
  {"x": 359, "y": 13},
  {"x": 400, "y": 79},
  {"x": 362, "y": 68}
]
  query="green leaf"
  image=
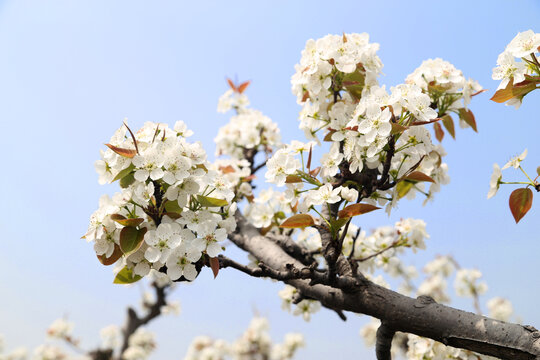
[
  {"x": 207, "y": 201},
  {"x": 126, "y": 276},
  {"x": 538, "y": 170},
  {"x": 131, "y": 239},
  {"x": 403, "y": 187},
  {"x": 172, "y": 206},
  {"x": 127, "y": 180},
  {"x": 124, "y": 172},
  {"x": 354, "y": 83},
  {"x": 280, "y": 215},
  {"x": 520, "y": 202}
]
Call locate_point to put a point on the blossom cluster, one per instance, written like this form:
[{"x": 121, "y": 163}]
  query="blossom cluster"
[
  {"x": 255, "y": 343},
  {"x": 172, "y": 211},
  {"x": 521, "y": 75},
  {"x": 368, "y": 127},
  {"x": 249, "y": 129}
]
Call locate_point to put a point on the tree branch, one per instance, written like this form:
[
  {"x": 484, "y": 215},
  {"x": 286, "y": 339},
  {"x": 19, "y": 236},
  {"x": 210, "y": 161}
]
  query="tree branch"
[
  {"x": 133, "y": 321},
  {"x": 383, "y": 346},
  {"x": 421, "y": 316}
]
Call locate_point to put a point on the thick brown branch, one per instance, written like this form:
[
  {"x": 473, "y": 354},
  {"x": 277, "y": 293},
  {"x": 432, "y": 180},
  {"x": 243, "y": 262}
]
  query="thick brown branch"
[
  {"x": 421, "y": 316},
  {"x": 385, "y": 334}
]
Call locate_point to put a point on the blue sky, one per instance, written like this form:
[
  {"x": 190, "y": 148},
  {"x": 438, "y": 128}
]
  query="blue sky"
[{"x": 70, "y": 71}]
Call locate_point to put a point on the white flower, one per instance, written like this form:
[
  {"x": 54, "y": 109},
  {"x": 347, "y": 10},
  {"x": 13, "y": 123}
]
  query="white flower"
[
  {"x": 60, "y": 329},
  {"x": 515, "y": 161},
  {"x": 161, "y": 241},
  {"x": 208, "y": 236},
  {"x": 495, "y": 181},
  {"x": 524, "y": 44},
  {"x": 507, "y": 69},
  {"x": 180, "y": 262},
  {"x": 466, "y": 283},
  {"x": 281, "y": 164},
  {"x": 349, "y": 194},
  {"x": 500, "y": 308},
  {"x": 110, "y": 337}
]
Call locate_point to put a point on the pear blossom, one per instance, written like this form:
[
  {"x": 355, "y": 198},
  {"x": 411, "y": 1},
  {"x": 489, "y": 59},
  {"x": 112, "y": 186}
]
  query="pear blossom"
[
  {"x": 515, "y": 162},
  {"x": 495, "y": 181}
]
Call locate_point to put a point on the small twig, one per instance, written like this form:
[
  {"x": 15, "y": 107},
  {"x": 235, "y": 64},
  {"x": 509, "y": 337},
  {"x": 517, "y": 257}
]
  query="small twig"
[{"x": 392, "y": 245}]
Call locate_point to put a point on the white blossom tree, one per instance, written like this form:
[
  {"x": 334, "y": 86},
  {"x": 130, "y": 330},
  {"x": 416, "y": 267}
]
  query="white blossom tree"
[{"x": 176, "y": 209}]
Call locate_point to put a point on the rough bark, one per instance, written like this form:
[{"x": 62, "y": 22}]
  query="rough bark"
[{"x": 421, "y": 316}]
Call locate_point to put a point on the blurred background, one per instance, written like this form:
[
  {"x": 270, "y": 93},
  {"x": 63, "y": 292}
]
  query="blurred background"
[{"x": 71, "y": 71}]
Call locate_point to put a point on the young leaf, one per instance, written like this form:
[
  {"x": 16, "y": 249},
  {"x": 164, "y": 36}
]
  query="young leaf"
[
  {"x": 468, "y": 117},
  {"x": 126, "y": 276},
  {"x": 243, "y": 86},
  {"x": 129, "y": 222},
  {"x": 356, "y": 209},
  {"x": 131, "y": 239},
  {"x": 520, "y": 202},
  {"x": 226, "y": 169},
  {"x": 293, "y": 179},
  {"x": 127, "y": 180},
  {"x": 214, "y": 264},
  {"x": 398, "y": 129},
  {"x": 418, "y": 176},
  {"x": 121, "y": 151},
  {"x": 231, "y": 84},
  {"x": 117, "y": 254},
  {"x": 116, "y": 217},
  {"x": 448, "y": 123},
  {"x": 298, "y": 221},
  {"x": 328, "y": 136},
  {"x": 403, "y": 187},
  {"x": 439, "y": 132},
  {"x": 309, "y": 158},
  {"x": 124, "y": 172},
  {"x": 172, "y": 206},
  {"x": 505, "y": 94},
  {"x": 208, "y": 201}
]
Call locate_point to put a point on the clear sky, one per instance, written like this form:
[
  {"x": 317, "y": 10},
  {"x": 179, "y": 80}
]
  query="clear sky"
[{"x": 70, "y": 71}]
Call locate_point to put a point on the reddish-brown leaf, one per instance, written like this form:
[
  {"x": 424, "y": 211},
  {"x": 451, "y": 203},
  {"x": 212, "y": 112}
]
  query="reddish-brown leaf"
[
  {"x": 130, "y": 222},
  {"x": 243, "y": 86},
  {"x": 328, "y": 136},
  {"x": 505, "y": 94},
  {"x": 231, "y": 84},
  {"x": 468, "y": 117},
  {"x": 356, "y": 209},
  {"x": 116, "y": 217},
  {"x": 309, "y": 158},
  {"x": 344, "y": 38},
  {"x": 117, "y": 254},
  {"x": 129, "y": 153},
  {"x": 418, "y": 176},
  {"x": 290, "y": 179},
  {"x": 298, "y": 221},
  {"x": 448, "y": 123},
  {"x": 439, "y": 132},
  {"x": 214, "y": 264},
  {"x": 398, "y": 129},
  {"x": 520, "y": 202},
  {"x": 315, "y": 171},
  {"x": 226, "y": 169},
  {"x": 305, "y": 96}
]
